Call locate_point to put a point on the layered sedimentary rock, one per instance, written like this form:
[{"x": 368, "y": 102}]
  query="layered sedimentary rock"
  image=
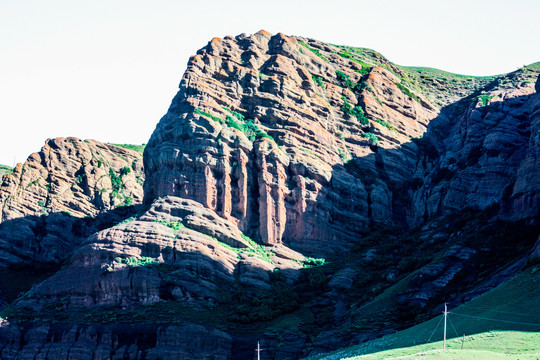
[
  {"x": 187, "y": 341},
  {"x": 177, "y": 250},
  {"x": 488, "y": 157},
  {"x": 289, "y": 187},
  {"x": 72, "y": 175},
  {"x": 47, "y": 202},
  {"x": 274, "y": 148}
]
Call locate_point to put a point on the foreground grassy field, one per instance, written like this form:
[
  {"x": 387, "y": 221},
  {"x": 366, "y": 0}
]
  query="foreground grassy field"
[
  {"x": 488, "y": 345},
  {"x": 504, "y": 323}
]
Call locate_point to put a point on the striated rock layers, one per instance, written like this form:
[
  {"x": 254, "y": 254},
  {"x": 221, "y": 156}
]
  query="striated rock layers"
[
  {"x": 488, "y": 157},
  {"x": 43, "y": 202},
  {"x": 274, "y": 148},
  {"x": 285, "y": 182},
  {"x": 305, "y": 144}
]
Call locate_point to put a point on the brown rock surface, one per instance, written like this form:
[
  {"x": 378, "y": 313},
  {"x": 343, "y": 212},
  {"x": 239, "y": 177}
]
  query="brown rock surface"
[
  {"x": 47, "y": 203},
  {"x": 71, "y": 175},
  {"x": 290, "y": 188},
  {"x": 177, "y": 250}
]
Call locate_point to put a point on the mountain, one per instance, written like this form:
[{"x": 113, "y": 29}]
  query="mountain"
[{"x": 299, "y": 193}]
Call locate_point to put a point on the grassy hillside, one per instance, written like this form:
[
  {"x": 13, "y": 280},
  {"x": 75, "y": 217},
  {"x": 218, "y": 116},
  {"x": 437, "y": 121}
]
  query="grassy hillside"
[
  {"x": 489, "y": 346},
  {"x": 502, "y": 323},
  {"x": 137, "y": 148},
  {"x": 440, "y": 87},
  {"x": 5, "y": 170}
]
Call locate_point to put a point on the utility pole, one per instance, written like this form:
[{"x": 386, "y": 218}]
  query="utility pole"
[
  {"x": 445, "y": 315},
  {"x": 258, "y": 351}
]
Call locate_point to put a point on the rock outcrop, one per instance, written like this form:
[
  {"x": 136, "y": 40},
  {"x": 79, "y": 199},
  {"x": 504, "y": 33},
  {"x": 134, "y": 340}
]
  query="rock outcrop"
[
  {"x": 488, "y": 157},
  {"x": 186, "y": 341},
  {"x": 47, "y": 203},
  {"x": 177, "y": 250},
  {"x": 282, "y": 179},
  {"x": 83, "y": 178}
]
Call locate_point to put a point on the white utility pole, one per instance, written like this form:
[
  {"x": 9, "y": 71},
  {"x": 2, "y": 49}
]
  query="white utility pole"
[
  {"x": 258, "y": 351},
  {"x": 445, "y": 315}
]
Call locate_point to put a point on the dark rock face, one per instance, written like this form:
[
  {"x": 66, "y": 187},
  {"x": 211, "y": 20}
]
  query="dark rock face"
[
  {"x": 187, "y": 341},
  {"x": 274, "y": 148},
  {"x": 490, "y": 159}
]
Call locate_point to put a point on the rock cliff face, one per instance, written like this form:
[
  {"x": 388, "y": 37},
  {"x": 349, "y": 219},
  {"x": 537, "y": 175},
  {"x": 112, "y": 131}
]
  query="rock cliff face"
[
  {"x": 72, "y": 175},
  {"x": 303, "y": 143},
  {"x": 43, "y": 202},
  {"x": 488, "y": 156},
  {"x": 282, "y": 179},
  {"x": 274, "y": 148}
]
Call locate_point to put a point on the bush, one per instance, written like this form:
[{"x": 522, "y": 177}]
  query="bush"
[
  {"x": 371, "y": 137},
  {"x": 357, "y": 111},
  {"x": 204, "y": 113},
  {"x": 345, "y": 78},
  {"x": 135, "y": 262},
  {"x": 385, "y": 124},
  {"x": 407, "y": 92},
  {"x": 483, "y": 99},
  {"x": 318, "y": 80},
  {"x": 310, "y": 262}
]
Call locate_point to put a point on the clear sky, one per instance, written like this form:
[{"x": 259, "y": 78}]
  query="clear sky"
[{"x": 108, "y": 69}]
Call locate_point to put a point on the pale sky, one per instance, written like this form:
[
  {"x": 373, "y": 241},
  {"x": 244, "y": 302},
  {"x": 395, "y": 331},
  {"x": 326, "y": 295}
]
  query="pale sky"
[{"x": 108, "y": 70}]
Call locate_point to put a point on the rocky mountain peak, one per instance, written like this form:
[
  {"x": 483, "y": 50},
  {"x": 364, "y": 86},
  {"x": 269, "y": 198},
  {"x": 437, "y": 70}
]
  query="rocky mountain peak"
[{"x": 293, "y": 187}]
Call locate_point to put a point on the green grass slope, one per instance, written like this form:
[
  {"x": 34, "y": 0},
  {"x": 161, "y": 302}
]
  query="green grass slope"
[
  {"x": 5, "y": 170},
  {"x": 503, "y": 323},
  {"x": 137, "y": 148},
  {"x": 489, "y": 346}
]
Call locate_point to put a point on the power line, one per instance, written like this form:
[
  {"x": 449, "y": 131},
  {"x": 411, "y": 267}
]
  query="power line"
[
  {"x": 498, "y": 311},
  {"x": 505, "y": 321},
  {"x": 452, "y": 325},
  {"x": 436, "y": 327}
]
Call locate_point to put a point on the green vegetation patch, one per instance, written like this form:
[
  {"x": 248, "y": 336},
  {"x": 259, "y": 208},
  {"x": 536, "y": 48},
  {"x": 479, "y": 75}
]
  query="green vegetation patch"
[
  {"x": 356, "y": 111},
  {"x": 315, "y": 51},
  {"x": 407, "y": 92},
  {"x": 117, "y": 185},
  {"x": 136, "y": 262},
  {"x": 137, "y": 148},
  {"x": 208, "y": 115},
  {"x": 310, "y": 262},
  {"x": 385, "y": 124},
  {"x": 251, "y": 130},
  {"x": 345, "y": 78},
  {"x": 371, "y": 137},
  {"x": 483, "y": 99},
  {"x": 175, "y": 225},
  {"x": 318, "y": 80},
  {"x": 366, "y": 68},
  {"x": 4, "y": 169}
]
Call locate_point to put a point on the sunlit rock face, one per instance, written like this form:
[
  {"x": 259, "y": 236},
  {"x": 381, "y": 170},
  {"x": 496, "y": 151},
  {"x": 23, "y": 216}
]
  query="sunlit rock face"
[{"x": 291, "y": 186}]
